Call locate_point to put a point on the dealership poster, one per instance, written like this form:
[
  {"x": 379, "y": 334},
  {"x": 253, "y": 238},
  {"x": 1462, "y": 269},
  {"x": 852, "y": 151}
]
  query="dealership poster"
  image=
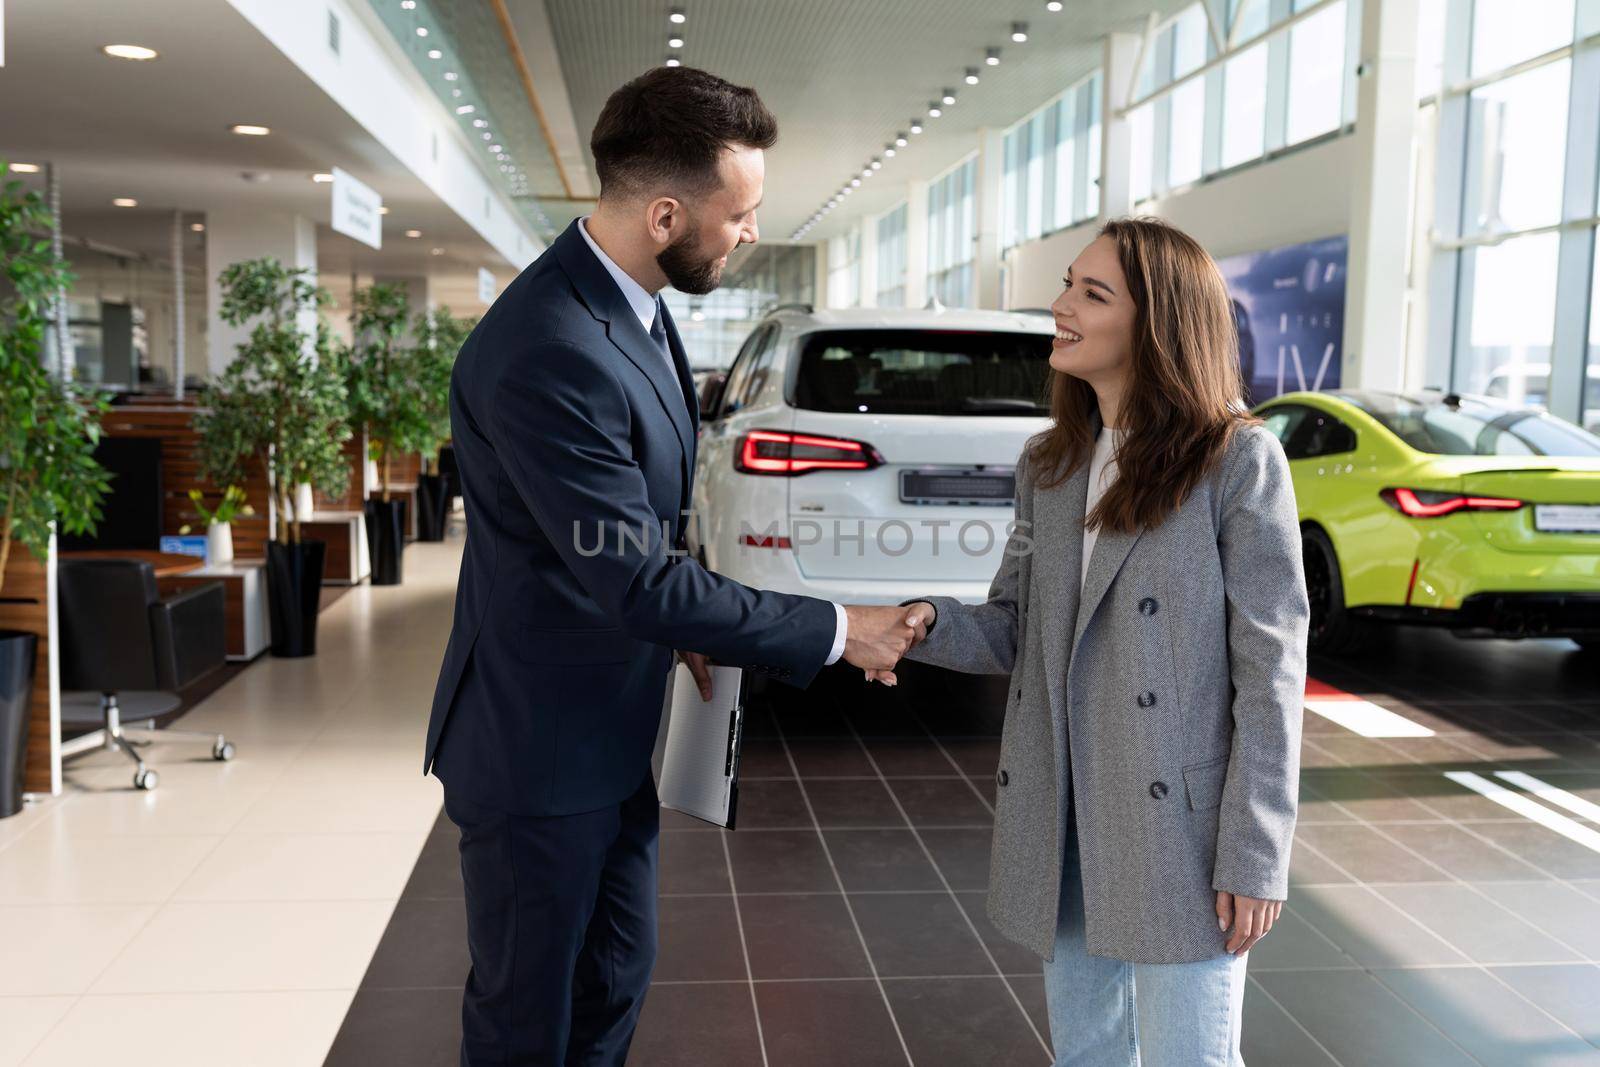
[{"x": 1288, "y": 304}]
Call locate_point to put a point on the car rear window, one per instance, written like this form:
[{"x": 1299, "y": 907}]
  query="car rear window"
[
  {"x": 924, "y": 372},
  {"x": 1473, "y": 428}
]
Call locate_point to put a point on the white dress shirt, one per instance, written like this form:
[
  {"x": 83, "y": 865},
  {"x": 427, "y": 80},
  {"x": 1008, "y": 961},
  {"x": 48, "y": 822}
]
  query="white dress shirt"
[
  {"x": 643, "y": 303},
  {"x": 1102, "y": 474}
]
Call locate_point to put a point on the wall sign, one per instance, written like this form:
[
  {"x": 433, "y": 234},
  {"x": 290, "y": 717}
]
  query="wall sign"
[
  {"x": 356, "y": 210},
  {"x": 1288, "y": 304}
]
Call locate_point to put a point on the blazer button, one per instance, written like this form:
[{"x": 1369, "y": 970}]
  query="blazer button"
[
  {"x": 1158, "y": 789},
  {"x": 1147, "y": 700},
  {"x": 1148, "y": 606},
  {"x": 1019, "y": 694},
  {"x": 1003, "y": 778}
]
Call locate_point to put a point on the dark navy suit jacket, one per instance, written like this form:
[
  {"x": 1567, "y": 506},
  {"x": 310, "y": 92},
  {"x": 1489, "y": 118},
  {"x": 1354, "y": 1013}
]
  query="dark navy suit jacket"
[{"x": 567, "y": 421}]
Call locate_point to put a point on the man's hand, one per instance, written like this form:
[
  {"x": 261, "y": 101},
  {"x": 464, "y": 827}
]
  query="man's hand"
[
  {"x": 919, "y": 617},
  {"x": 876, "y": 638},
  {"x": 700, "y": 669},
  {"x": 1250, "y": 919}
]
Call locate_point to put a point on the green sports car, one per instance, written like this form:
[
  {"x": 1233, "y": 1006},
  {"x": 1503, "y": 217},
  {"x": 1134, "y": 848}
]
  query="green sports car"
[{"x": 1442, "y": 510}]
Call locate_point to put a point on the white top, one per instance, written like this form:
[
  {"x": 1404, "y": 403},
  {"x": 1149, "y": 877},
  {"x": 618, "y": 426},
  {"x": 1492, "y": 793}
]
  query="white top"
[
  {"x": 644, "y": 306},
  {"x": 1102, "y": 474}
]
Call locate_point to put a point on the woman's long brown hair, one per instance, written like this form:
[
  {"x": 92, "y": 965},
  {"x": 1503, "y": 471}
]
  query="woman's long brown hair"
[{"x": 1184, "y": 397}]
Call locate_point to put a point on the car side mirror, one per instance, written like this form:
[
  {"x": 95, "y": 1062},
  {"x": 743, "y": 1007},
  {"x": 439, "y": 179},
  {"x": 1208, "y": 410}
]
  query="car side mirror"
[{"x": 711, "y": 395}]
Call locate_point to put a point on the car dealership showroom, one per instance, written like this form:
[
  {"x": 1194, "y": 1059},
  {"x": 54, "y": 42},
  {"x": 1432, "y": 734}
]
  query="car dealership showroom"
[{"x": 800, "y": 533}]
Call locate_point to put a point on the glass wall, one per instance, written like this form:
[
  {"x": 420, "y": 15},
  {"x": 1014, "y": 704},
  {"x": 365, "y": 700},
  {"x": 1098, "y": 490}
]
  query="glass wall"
[
  {"x": 844, "y": 269},
  {"x": 952, "y": 226},
  {"x": 757, "y": 278},
  {"x": 892, "y": 258},
  {"x": 1052, "y": 165}
]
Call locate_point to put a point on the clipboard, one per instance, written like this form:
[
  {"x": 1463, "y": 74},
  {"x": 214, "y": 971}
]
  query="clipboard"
[{"x": 700, "y": 761}]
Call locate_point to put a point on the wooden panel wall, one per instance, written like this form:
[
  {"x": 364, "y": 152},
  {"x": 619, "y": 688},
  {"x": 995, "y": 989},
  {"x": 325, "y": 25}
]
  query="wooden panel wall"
[
  {"x": 24, "y": 605},
  {"x": 173, "y": 424}
]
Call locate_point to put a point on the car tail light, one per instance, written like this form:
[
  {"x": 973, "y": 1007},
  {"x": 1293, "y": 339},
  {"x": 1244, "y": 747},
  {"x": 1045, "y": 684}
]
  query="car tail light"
[
  {"x": 786, "y": 455},
  {"x": 1430, "y": 503}
]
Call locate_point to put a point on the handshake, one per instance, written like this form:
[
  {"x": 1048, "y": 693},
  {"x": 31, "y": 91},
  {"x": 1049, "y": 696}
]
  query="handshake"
[{"x": 877, "y": 637}]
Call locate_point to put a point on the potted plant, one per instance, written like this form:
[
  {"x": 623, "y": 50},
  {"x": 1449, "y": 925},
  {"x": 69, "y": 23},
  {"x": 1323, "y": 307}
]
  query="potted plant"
[
  {"x": 439, "y": 338},
  {"x": 280, "y": 402},
  {"x": 49, "y": 479},
  {"x": 218, "y": 523},
  {"x": 385, "y": 401}
]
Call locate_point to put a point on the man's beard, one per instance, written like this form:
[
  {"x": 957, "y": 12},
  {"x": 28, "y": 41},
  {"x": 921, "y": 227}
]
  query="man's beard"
[{"x": 686, "y": 271}]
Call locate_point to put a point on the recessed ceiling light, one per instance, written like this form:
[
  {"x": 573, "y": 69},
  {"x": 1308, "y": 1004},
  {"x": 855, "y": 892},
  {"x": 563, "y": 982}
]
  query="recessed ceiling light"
[
  {"x": 916, "y": 126},
  {"x": 487, "y": 136},
  {"x": 889, "y": 150},
  {"x": 450, "y": 75},
  {"x": 198, "y": 227},
  {"x": 251, "y": 131},
  {"x": 480, "y": 123},
  {"x": 949, "y": 97},
  {"x": 435, "y": 251},
  {"x": 466, "y": 109},
  {"x": 933, "y": 109},
  {"x": 408, "y": 5},
  {"x": 129, "y": 51},
  {"x": 1019, "y": 32},
  {"x": 677, "y": 17},
  {"x": 675, "y": 41},
  {"x": 25, "y": 168},
  {"x": 413, "y": 233},
  {"x": 877, "y": 164},
  {"x": 124, "y": 201},
  {"x": 1053, "y": 5},
  {"x": 672, "y": 61},
  {"x": 900, "y": 140},
  {"x": 383, "y": 211},
  {"x": 434, "y": 53},
  {"x": 422, "y": 31},
  {"x": 697, "y": 316},
  {"x": 972, "y": 75},
  {"x": 856, "y": 182},
  {"x": 992, "y": 57},
  {"x": 322, "y": 178},
  {"x": 455, "y": 93},
  {"x": 496, "y": 147}
]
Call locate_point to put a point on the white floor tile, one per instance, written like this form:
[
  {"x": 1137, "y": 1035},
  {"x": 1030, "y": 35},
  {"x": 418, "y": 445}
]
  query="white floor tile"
[
  {"x": 24, "y": 1021},
  {"x": 306, "y": 867},
  {"x": 325, "y": 763},
  {"x": 211, "y": 946},
  {"x": 61, "y": 949},
  {"x": 373, "y": 807},
  {"x": 175, "y": 808},
  {"x": 256, "y": 764},
  {"x": 24, "y": 821},
  {"x": 52, "y": 866},
  {"x": 203, "y": 1030}
]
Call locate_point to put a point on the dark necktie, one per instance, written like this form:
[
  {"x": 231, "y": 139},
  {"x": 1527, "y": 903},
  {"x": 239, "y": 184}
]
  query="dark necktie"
[{"x": 658, "y": 334}]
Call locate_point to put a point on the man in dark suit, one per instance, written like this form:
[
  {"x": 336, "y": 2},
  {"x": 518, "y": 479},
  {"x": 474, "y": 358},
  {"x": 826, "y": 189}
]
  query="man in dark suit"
[{"x": 574, "y": 420}]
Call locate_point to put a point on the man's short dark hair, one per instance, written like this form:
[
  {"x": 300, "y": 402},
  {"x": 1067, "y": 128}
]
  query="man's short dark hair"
[{"x": 667, "y": 130}]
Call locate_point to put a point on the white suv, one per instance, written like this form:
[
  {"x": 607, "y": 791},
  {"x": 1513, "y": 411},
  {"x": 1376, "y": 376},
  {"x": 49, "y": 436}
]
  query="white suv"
[{"x": 868, "y": 455}]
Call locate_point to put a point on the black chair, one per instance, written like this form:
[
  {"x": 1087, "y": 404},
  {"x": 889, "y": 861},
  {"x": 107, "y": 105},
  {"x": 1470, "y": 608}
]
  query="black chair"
[{"x": 120, "y": 641}]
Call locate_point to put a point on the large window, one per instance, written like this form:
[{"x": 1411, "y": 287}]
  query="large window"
[
  {"x": 952, "y": 225},
  {"x": 1591, "y": 387},
  {"x": 1505, "y": 32},
  {"x": 844, "y": 270},
  {"x": 1316, "y": 73},
  {"x": 1517, "y": 150},
  {"x": 1051, "y": 166},
  {"x": 892, "y": 258}
]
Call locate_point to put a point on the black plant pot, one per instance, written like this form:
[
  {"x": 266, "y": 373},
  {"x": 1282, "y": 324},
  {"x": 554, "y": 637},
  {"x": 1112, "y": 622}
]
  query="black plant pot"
[
  {"x": 386, "y": 540},
  {"x": 294, "y": 594},
  {"x": 17, "y": 652},
  {"x": 433, "y": 507}
]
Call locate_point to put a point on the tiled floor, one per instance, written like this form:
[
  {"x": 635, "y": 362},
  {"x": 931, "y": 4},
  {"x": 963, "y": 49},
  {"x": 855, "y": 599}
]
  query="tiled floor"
[{"x": 308, "y": 896}]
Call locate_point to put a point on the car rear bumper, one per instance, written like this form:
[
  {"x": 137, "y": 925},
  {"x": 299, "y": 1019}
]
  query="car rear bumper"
[{"x": 1504, "y": 615}]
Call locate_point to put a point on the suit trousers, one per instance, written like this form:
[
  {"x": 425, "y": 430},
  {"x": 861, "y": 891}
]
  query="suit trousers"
[{"x": 561, "y": 928}]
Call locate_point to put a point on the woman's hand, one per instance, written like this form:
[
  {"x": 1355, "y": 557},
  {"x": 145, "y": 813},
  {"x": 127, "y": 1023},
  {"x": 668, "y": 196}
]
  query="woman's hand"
[
  {"x": 919, "y": 617},
  {"x": 1250, "y": 919}
]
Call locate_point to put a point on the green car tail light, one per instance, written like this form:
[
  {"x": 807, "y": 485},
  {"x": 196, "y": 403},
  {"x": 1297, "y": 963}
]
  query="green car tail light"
[{"x": 1433, "y": 503}]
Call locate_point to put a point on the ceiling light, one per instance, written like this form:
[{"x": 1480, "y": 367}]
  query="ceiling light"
[
  {"x": 697, "y": 316},
  {"x": 408, "y": 5},
  {"x": 991, "y": 56},
  {"x": 933, "y": 109},
  {"x": 889, "y": 150},
  {"x": 672, "y": 61},
  {"x": 383, "y": 211},
  {"x": 900, "y": 140},
  {"x": 677, "y": 17},
  {"x": 435, "y": 251},
  {"x": 856, "y": 182},
  {"x": 496, "y": 147},
  {"x": 877, "y": 164},
  {"x": 466, "y": 109},
  {"x": 480, "y": 123},
  {"x": 322, "y": 179},
  {"x": 972, "y": 75},
  {"x": 422, "y": 31},
  {"x": 129, "y": 51},
  {"x": 124, "y": 201},
  {"x": 487, "y": 136},
  {"x": 25, "y": 168},
  {"x": 455, "y": 92},
  {"x": 413, "y": 233},
  {"x": 867, "y": 173},
  {"x": 450, "y": 75},
  {"x": 949, "y": 97},
  {"x": 1053, "y": 5},
  {"x": 434, "y": 53},
  {"x": 1019, "y": 32},
  {"x": 916, "y": 126},
  {"x": 198, "y": 227},
  {"x": 675, "y": 41},
  {"x": 251, "y": 131}
]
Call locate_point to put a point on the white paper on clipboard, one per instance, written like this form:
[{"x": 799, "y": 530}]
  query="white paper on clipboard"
[{"x": 700, "y": 762}]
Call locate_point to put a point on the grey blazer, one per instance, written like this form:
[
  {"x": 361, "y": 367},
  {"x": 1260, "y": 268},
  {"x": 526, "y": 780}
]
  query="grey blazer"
[{"x": 1164, "y": 702}]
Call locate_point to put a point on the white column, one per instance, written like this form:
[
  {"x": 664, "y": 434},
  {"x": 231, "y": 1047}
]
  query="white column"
[
  {"x": 232, "y": 237},
  {"x": 821, "y": 298},
  {"x": 1380, "y": 200},
  {"x": 1121, "y": 53},
  {"x": 991, "y": 170},
  {"x": 868, "y": 295},
  {"x": 916, "y": 244}
]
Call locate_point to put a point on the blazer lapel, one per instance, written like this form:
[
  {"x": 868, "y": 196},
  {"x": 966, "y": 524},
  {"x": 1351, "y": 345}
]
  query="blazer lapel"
[
  {"x": 1060, "y": 509},
  {"x": 680, "y": 363},
  {"x": 1111, "y": 549}
]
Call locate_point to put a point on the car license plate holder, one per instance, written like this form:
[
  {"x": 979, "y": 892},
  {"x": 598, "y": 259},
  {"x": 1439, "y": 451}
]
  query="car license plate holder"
[
  {"x": 985, "y": 486},
  {"x": 1567, "y": 518}
]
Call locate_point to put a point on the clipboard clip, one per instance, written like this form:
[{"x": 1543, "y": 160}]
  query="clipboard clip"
[{"x": 735, "y": 724}]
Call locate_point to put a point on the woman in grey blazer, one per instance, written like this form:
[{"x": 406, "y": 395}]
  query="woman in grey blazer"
[{"x": 1151, "y": 612}]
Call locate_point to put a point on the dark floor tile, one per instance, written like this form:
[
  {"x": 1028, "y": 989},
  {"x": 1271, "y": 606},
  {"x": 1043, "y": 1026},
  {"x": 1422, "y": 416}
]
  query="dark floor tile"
[
  {"x": 985, "y": 785},
  {"x": 399, "y": 1028},
  {"x": 919, "y": 934},
  {"x": 1010, "y": 957},
  {"x": 807, "y": 936},
  {"x": 1497, "y": 1029},
  {"x": 941, "y": 802},
  {"x": 880, "y": 860},
  {"x": 977, "y": 756},
  {"x": 425, "y": 944},
  {"x": 682, "y": 820},
  {"x": 812, "y": 722},
  {"x": 1309, "y": 868},
  {"x": 1363, "y": 852},
  {"x": 438, "y": 870},
  {"x": 964, "y": 1021},
  {"x": 1293, "y": 945},
  {"x": 1570, "y": 993},
  {"x": 884, "y": 718},
  {"x": 1360, "y": 1021},
  {"x": 1462, "y": 854},
  {"x": 852, "y": 802},
  {"x": 762, "y": 757},
  {"x": 1559, "y": 910},
  {"x": 699, "y": 939},
  {"x": 772, "y": 804},
  {"x": 1368, "y": 928},
  {"x": 836, "y": 758},
  {"x": 1031, "y": 992},
  {"x": 840, "y": 1024},
  {"x": 1544, "y": 848},
  {"x": 1366, "y": 797},
  {"x": 780, "y": 861},
  {"x": 1481, "y": 929},
  {"x": 692, "y": 862},
  {"x": 962, "y": 856},
  {"x": 902, "y": 758},
  {"x": 1270, "y": 1037},
  {"x": 694, "y": 1026}
]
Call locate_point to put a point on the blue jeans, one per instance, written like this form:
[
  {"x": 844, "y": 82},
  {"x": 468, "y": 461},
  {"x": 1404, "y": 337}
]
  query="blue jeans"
[{"x": 1108, "y": 1013}]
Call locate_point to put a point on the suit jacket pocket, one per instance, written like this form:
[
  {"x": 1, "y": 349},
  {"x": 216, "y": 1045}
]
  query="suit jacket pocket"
[
  {"x": 563, "y": 648},
  {"x": 1203, "y": 782}
]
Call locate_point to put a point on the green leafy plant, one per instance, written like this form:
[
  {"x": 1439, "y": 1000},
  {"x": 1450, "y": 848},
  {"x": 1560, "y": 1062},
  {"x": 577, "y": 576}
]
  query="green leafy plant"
[
  {"x": 283, "y": 398},
  {"x": 381, "y": 377},
  {"x": 440, "y": 336},
  {"x": 48, "y": 429},
  {"x": 231, "y": 506}
]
